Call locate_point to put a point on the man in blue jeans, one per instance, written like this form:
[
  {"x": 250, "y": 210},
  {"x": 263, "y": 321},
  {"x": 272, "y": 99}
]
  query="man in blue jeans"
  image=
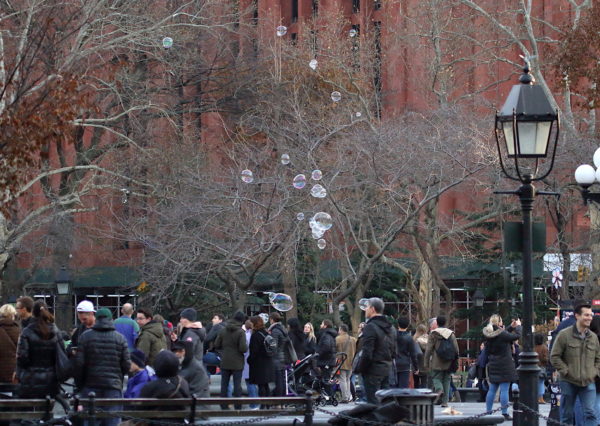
[{"x": 576, "y": 356}]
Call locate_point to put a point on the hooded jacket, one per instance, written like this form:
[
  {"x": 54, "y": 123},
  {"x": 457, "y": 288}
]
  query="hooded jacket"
[
  {"x": 326, "y": 347},
  {"x": 280, "y": 334},
  {"x": 231, "y": 344},
  {"x": 194, "y": 373},
  {"x": 151, "y": 340},
  {"x": 406, "y": 352},
  {"x": 102, "y": 358},
  {"x": 193, "y": 337},
  {"x": 35, "y": 362},
  {"x": 9, "y": 336},
  {"x": 378, "y": 346},
  {"x": 499, "y": 348},
  {"x": 431, "y": 360},
  {"x": 136, "y": 383},
  {"x": 576, "y": 358}
]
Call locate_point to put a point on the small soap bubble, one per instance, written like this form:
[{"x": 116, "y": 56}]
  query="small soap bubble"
[
  {"x": 285, "y": 159},
  {"x": 321, "y": 243},
  {"x": 299, "y": 181},
  {"x": 353, "y": 32},
  {"x": 322, "y": 221},
  {"x": 167, "y": 42},
  {"x": 316, "y": 175},
  {"x": 300, "y": 216},
  {"x": 264, "y": 317},
  {"x": 363, "y": 304},
  {"x": 358, "y": 114},
  {"x": 313, "y": 64},
  {"x": 282, "y": 302},
  {"x": 247, "y": 176},
  {"x": 318, "y": 191},
  {"x": 281, "y": 30},
  {"x": 336, "y": 96}
]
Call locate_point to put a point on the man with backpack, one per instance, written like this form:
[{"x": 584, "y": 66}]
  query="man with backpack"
[
  {"x": 378, "y": 349},
  {"x": 440, "y": 358}
]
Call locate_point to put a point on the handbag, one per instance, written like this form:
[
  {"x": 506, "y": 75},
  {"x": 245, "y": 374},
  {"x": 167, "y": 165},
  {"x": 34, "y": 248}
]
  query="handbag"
[
  {"x": 62, "y": 365},
  {"x": 290, "y": 353},
  {"x": 356, "y": 362}
]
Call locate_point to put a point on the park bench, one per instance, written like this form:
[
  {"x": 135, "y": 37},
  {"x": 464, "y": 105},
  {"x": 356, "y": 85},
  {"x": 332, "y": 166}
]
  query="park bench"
[{"x": 468, "y": 394}]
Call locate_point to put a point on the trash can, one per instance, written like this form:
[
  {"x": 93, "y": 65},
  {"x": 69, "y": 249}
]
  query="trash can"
[{"x": 418, "y": 402}]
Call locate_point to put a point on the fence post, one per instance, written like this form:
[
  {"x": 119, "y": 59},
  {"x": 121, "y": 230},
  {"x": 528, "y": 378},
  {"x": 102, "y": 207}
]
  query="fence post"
[
  {"x": 309, "y": 413},
  {"x": 516, "y": 408},
  {"x": 48, "y": 411},
  {"x": 92, "y": 408},
  {"x": 193, "y": 411}
]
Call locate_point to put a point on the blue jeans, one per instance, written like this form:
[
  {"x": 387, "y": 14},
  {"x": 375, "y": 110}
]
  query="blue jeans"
[
  {"x": 252, "y": 392},
  {"x": 104, "y": 393},
  {"x": 402, "y": 379},
  {"x": 541, "y": 387},
  {"x": 491, "y": 394},
  {"x": 587, "y": 396}
]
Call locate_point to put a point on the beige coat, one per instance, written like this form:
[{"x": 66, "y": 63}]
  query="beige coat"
[
  {"x": 347, "y": 344},
  {"x": 432, "y": 361}
]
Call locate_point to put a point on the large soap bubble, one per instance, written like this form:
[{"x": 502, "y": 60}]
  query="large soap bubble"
[
  {"x": 299, "y": 181},
  {"x": 316, "y": 175},
  {"x": 247, "y": 176},
  {"x": 313, "y": 64},
  {"x": 281, "y": 30},
  {"x": 282, "y": 302},
  {"x": 363, "y": 304},
  {"x": 323, "y": 221},
  {"x": 318, "y": 191},
  {"x": 321, "y": 243},
  {"x": 167, "y": 42},
  {"x": 285, "y": 159},
  {"x": 336, "y": 96}
]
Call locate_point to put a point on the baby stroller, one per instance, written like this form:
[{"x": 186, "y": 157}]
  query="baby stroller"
[{"x": 321, "y": 380}]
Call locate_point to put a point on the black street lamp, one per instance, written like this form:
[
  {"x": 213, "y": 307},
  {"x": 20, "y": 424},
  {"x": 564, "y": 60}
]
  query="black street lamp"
[
  {"x": 586, "y": 176},
  {"x": 529, "y": 127},
  {"x": 478, "y": 298},
  {"x": 63, "y": 305}
]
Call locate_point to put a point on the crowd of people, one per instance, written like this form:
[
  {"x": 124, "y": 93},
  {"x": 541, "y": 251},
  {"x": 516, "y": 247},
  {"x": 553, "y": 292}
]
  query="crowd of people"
[{"x": 149, "y": 357}]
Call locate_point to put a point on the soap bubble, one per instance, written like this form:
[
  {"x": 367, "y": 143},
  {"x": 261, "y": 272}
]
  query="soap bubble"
[
  {"x": 300, "y": 216},
  {"x": 299, "y": 181},
  {"x": 281, "y": 30},
  {"x": 336, "y": 96},
  {"x": 323, "y": 221},
  {"x": 317, "y": 233},
  {"x": 353, "y": 32},
  {"x": 318, "y": 191},
  {"x": 282, "y": 302},
  {"x": 285, "y": 159},
  {"x": 247, "y": 176},
  {"x": 316, "y": 175},
  {"x": 313, "y": 64},
  {"x": 271, "y": 296},
  {"x": 264, "y": 317},
  {"x": 167, "y": 42},
  {"x": 363, "y": 304},
  {"x": 321, "y": 243},
  {"x": 358, "y": 114}
]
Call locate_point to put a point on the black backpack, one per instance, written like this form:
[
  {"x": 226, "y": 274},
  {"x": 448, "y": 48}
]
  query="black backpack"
[{"x": 446, "y": 350}]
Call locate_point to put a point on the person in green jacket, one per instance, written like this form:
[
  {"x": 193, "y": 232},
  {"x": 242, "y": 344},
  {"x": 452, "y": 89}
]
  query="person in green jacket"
[
  {"x": 576, "y": 357},
  {"x": 231, "y": 344},
  {"x": 152, "y": 338}
]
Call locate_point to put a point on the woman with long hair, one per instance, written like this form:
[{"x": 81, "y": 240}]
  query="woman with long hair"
[
  {"x": 311, "y": 339},
  {"x": 262, "y": 369},
  {"x": 9, "y": 336},
  {"x": 36, "y": 355},
  {"x": 421, "y": 338},
  {"x": 500, "y": 365}
]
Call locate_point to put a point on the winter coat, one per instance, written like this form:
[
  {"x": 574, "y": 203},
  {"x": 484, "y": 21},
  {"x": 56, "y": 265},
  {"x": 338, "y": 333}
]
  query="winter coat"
[
  {"x": 137, "y": 382},
  {"x": 262, "y": 368},
  {"x": 498, "y": 345},
  {"x": 345, "y": 343},
  {"x": 326, "y": 347},
  {"x": 9, "y": 336},
  {"x": 299, "y": 342},
  {"x": 231, "y": 344},
  {"x": 212, "y": 334},
  {"x": 280, "y": 334},
  {"x": 102, "y": 357},
  {"x": 81, "y": 328},
  {"x": 195, "y": 375},
  {"x": 168, "y": 383},
  {"x": 36, "y": 359},
  {"x": 128, "y": 328},
  {"x": 421, "y": 341},
  {"x": 193, "y": 337},
  {"x": 378, "y": 346},
  {"x": 577, "y": 359},
  {"x": 310, "y": 344},
  {"x": 406, "y": 353},
  {"x": 432, "y": 361},
  {"x": 151, "y": 340}
]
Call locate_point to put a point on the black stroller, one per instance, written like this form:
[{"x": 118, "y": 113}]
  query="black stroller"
[{"x": 305, "y": 375}]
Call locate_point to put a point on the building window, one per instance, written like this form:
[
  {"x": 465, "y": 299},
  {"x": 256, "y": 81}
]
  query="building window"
[
  {"x": 377, "y": 67},
  {"x": 355, "y": 38},
  {"x": 315, "y": 7},
  {"x": 355, "y": 6},
  {"x": 314, "y": 42},
  {"x": 294, "y": 10},
  {"x": 255, "y": 13},
  {"x": 294, "y": 38},
  {"x": 377, "y": 4}
]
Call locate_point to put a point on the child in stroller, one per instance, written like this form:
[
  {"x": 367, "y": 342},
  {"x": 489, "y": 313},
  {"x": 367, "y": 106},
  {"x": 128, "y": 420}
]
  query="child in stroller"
[{"x": 305, "y": 375}]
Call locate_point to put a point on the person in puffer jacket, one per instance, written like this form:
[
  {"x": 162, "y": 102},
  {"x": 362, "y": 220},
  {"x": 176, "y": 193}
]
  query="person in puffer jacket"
[
  {"x": 101, "y": 362},
  {"x": 36, "y": 354}
]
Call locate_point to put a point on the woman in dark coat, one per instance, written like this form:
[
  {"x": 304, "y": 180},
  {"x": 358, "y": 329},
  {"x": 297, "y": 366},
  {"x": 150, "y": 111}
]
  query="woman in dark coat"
[
  {"x": 500, "y": 366},
  {"x": 9, "y": 336},
  {"x": 297, "y": 337},
  {"x": 36, "y": 354},
  {"x": 262, "y": 369}
]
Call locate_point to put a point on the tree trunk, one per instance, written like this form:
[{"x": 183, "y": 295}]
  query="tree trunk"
[{"x": 289, "y": 280}]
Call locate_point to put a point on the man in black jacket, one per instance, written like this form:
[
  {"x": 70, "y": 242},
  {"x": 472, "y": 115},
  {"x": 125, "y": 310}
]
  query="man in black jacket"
[
  {"x": 192, "y": 371},
  {"x": 378, "y": 346},
  {"x": 326, "y": 348},
  {"x": 192, "y": 333},
  {"x": 280, "y": 334},
  {"x": 101, "y": 362},
  {"x": 406, "y": 353}
]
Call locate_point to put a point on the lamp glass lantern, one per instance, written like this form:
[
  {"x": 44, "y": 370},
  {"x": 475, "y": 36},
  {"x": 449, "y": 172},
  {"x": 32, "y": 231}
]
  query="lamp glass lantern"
[
  {"x": 478, "y": 298},
  {"x": 63, "y": 281}
]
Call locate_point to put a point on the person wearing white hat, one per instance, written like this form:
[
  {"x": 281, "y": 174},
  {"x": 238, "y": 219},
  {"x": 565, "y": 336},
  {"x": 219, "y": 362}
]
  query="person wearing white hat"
[{"x": 86, "y": 315}]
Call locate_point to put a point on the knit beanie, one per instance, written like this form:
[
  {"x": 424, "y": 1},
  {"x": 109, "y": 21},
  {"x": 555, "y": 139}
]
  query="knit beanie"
[
  {"x": 138, "y": 357},
  {"x": 189, "y": 314},
  {"x": 103, "y": 313}
]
